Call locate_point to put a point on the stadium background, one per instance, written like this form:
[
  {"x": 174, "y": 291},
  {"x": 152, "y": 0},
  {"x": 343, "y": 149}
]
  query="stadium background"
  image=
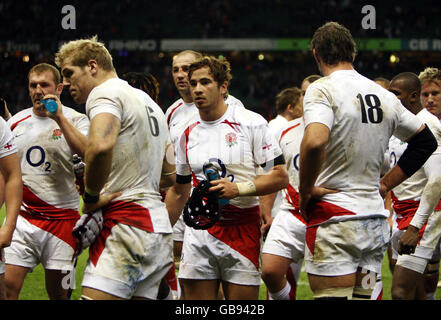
[{"x": 265, "y": 41}]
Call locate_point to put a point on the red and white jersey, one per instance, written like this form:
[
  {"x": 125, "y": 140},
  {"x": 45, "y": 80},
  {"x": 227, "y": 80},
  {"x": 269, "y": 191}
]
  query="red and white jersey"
[
  {"x": 275, "y": 125},
  {"x": 46, "y": 163},
  {"x": 406, "y": 196},
  {"x": 137, "y": 155},
  {"x": 7, "y": 142},
  {"x": 238, "y": 142},
  {"x": 180, "y": 113},
  {"x": 361, "y": 116},
  {"x": 289, "y": 139}
]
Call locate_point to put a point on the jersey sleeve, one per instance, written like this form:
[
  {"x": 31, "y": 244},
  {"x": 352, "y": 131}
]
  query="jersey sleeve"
[
  {"x": 266, "y": 149},
  {"x": 104, "y": 101},
  {"x": 408, "y": 123},
  {"x": 317, "y": 107},
  {"x": 82, "y": 124},
  {"x": 182, "y": 166}
]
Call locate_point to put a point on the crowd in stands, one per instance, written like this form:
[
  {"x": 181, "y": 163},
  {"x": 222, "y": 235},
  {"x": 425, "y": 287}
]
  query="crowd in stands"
[{"x": 254, "y": 81}]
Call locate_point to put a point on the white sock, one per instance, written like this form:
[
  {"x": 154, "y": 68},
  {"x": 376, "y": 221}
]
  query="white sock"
[{"x": 282, "y": 294}]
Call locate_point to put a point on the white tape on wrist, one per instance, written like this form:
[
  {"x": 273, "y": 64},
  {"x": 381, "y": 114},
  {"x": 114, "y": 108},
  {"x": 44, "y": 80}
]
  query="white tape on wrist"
[{"x": 246, "y": 188}]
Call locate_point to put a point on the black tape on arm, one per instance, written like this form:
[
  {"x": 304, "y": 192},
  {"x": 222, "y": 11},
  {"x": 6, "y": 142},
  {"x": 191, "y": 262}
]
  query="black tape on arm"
[
  {"x": 272, "y": 163},
  {"x": 183, "y": 179},
  {"x": 418, "y": 150}
]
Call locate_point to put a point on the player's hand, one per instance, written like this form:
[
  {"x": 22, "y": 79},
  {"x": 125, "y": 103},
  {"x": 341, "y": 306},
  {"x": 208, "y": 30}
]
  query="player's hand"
[
  {"x": 59, "y": 111},
  {"x": 265, "y": 225},
  {"x": 6, "y": 236},
  {"x": 319, "y": 192},
  {"x": 104, "y": 199},
  {"x": 383, "y": 190},
  {"x": 305, "y": 198},
  {"x": 408, "y": 241},
  {"x": 226, "y": 189}
]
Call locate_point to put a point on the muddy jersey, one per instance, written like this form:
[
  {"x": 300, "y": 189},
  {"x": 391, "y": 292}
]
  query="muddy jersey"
[
  {"x": 407, "y": 195},
  {"x": 46, "y": 163},
  {"x": 237, "y": 143},
  {"x": 289, "y": 139},
  {"x": 7, "y": 143},
  {"x": 361, "y": 117},
  {"x": 137, "y": 155},
  {"x": 412, "y": 188}
]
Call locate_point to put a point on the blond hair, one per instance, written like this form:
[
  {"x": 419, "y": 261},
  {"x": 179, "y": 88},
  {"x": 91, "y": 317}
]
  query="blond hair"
[
  {"x": 430, "y": 74},
  {"x": 81, "y": 51}
]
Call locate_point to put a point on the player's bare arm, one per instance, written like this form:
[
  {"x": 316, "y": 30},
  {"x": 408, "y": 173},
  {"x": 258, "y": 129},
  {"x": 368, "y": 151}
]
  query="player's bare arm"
[
  {"x": 74, "y": 138},
  {"x": 10, "y": 169},
  {"x": 266, "y": 203},
  {"x": 176, "y": 198},
  {"x": 429, "y": 199},
  {"x": 168, "y": 173},
  {"x": 312, "y": 155},
  {"x": 104, "y": 129},
  {"x": 274, "y": 181}
]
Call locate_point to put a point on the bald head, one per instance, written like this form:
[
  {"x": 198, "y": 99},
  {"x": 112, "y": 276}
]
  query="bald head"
[{"x": 407, "y": 87}]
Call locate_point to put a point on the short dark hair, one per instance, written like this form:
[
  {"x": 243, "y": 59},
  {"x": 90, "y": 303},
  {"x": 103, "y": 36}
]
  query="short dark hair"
[
  {"x": 334, "y": 43},
  {"x": 409, "y": 82},
  {"x": 287, "y": 96},
  {"x": 143, "y": 81},
  {"x": 43, "y": 67},
  {"x": 220, "y": 69}
]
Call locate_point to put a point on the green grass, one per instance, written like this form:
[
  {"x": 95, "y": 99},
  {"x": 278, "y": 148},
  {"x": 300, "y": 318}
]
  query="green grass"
[{"x": 34, "y": 286}]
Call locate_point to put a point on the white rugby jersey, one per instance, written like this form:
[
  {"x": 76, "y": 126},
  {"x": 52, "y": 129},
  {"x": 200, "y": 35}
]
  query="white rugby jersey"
[
  {"x": 238, "y": 142},
  {"x": 46, "y": 163},
  {"x": 362, "y": 116},
  {"x": 180, "y": 113},
  {"x": 137, "y": 155},
  {"x": 289, "y": 139},
  {"x": 7, "y": 142},
  {"x": 412, "y": 188},
  {"x": 276, "y": 125}
]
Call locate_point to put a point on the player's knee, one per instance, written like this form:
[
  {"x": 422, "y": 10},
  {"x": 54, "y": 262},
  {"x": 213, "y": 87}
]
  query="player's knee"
[
  {"x": 399, "y": 293},
  {"x": 271, "y": 274}
]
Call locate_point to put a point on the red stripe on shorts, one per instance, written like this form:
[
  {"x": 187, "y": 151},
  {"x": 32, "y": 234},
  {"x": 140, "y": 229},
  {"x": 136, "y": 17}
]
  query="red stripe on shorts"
[
  {"x": 62, "y": 229},
  {"x": 128, "y": 213},
  {"x": 241, "y": 234},
  {"x": 405, "y": 211},
  {"x": 319, "y": 212}
]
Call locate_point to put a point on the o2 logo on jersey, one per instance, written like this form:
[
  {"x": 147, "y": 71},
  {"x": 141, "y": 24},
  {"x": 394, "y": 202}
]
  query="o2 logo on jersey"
[
  {"x": 222, "y": 167},
  {"x": 36, "y": 157},
  {"x": 295, "y": 161}
]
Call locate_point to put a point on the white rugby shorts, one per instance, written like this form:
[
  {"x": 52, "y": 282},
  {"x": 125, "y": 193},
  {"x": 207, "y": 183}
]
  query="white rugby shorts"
[
  {"x": 426, "y": 247},
  {"x": 286, "y": 237},
  {"x": 339, "y": 248},
  {"x": 128, "y": 262},
  {"x": 233, "y": 256},
  {"x": 178, "y": 229},
  {"x": 32, "y": 245}
]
